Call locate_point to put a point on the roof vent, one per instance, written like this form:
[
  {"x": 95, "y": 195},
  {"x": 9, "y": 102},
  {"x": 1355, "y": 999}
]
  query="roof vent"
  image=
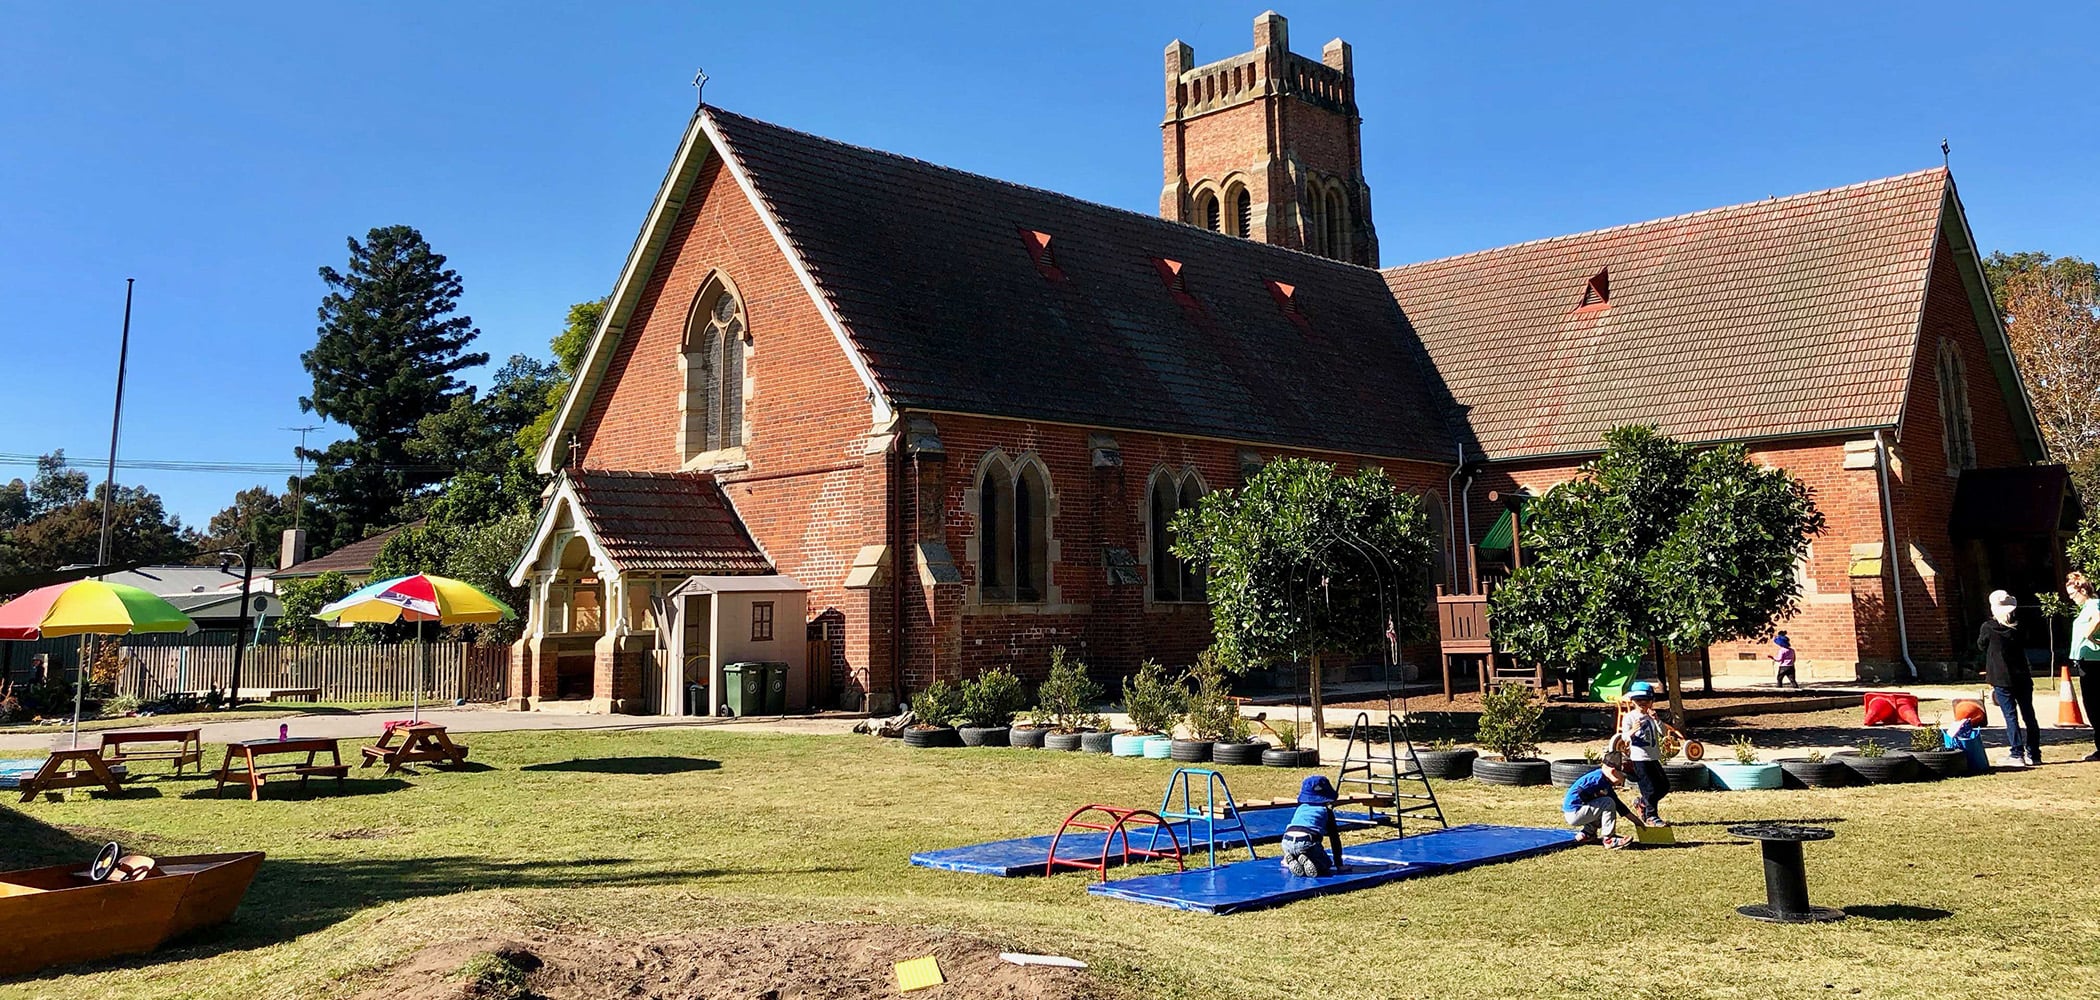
[
  {"x": 1597, "y": 293},
  {"x": 1170, "y": 275},
  {"x": 1040, "y": 252},
  {"x": 1286, "y": 296}
]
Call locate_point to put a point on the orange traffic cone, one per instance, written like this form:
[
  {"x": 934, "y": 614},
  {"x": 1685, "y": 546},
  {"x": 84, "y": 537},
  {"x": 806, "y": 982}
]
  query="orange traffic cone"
[{"x": 2067, "y": 713}]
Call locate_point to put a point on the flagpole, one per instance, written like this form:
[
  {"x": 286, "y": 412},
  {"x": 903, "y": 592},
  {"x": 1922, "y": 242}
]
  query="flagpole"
[{"x": 109, "y": 493}]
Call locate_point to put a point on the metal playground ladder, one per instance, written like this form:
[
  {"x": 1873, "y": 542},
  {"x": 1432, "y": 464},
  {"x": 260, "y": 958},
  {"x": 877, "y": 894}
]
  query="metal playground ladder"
[
  {"x": 1219, "y": 814},
  {"x": 1387, "y": 770}
]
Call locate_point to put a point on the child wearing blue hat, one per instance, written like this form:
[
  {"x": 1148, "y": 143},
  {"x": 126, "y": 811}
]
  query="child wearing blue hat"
[
  {"x": 1592, "y": 804},
  {"x": 1303, "y": 854},
  {"x": 1640, "y": 738},
  {"x": 1784, "y": 661}
]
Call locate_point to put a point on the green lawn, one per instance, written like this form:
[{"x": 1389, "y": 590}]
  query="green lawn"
[{"x": 739, "y": 829}]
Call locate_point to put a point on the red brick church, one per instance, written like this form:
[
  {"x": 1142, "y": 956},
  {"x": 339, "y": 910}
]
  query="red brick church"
[{"x": 936, "y": 421}]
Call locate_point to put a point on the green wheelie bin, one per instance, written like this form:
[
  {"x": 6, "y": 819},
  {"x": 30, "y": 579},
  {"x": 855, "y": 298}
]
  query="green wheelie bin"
[{"x": 745, "y": 686}]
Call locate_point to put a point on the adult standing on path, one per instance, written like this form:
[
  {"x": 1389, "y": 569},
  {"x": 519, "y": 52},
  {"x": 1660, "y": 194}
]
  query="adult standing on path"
[
  {"x": 2085, "y": 651},
  {"x": 2012, "y": 681}
]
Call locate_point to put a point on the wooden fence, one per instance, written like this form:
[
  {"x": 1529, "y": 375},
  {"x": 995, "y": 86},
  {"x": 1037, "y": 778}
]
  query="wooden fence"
[{"x": 341, "y": 672}]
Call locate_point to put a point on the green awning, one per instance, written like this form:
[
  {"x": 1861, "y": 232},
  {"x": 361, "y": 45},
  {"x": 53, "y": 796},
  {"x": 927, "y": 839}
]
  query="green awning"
[{"x": 1498, "y": 537}]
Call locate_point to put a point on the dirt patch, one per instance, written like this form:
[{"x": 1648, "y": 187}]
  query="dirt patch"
[
  {"x": 810, "y": 961},
  {"x": 355, "y": 833}
]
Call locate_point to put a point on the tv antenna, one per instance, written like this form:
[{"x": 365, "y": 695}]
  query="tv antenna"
[{"x": 298, "y": 481}]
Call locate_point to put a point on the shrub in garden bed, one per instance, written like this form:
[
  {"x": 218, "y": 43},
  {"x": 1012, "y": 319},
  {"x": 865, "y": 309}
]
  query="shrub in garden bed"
[
  {"x": 1287, "y": 753},
  {"x": 1510, "y": 717},
  {"x": 1207, "y": 712},
  {"x": 1066, "y": 701},
  {"x": 1745, "y": 772},
  {"x": 1874, "y": 764},
  {"x": 988, "y": 703},
  {"x": 1153, "y": 700},
  {"x": 1812, "y": 771},
  {"x": 932, "y": 711},
  {"x": 1935, "y": 758}
]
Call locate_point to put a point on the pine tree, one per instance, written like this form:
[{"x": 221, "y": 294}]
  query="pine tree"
[{"x": 388, "y": 354}]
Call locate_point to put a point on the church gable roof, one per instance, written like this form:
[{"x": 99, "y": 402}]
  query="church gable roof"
[
  {"x": 1779, "y": 318},
  {"x": 666, "y": 522},
  {"x": 966, "y": 294}
]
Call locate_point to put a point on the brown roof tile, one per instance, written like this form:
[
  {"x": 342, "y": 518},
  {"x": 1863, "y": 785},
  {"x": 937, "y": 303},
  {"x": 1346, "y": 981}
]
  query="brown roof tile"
[
  {"x": 352, "y": 559},
  {"x": 667, "y": 522},
  {"x": 1783, "y": 317}
]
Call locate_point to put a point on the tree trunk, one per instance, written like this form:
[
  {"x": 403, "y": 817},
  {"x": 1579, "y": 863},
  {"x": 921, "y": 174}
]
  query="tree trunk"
[
  {"x": 1670, "y": 677},
  {"x": 1319, "y": 718},
  {"x": 1706, "y": 668}
]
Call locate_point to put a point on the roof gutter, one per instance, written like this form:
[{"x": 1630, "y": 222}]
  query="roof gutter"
[{"x": 1890, "y": 552}]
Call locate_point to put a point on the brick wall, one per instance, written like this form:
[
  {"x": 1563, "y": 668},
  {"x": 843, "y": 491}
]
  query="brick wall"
[{"x": 810, "y": 494}]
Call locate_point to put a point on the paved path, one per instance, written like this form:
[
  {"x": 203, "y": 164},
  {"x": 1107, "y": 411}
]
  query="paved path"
[{"x": 366, "y": 725}]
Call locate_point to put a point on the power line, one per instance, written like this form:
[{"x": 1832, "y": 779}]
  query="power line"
[{"x": 19, "y": 460}]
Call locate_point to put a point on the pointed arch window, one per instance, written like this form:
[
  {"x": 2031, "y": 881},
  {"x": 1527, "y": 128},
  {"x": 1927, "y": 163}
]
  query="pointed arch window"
[
  {"x": 1173, "y": 579},
  {"x": 1242, "y": 210},
  {"x": 711, "y": 363},
  {"x": 1013, "y": 531},
  {"x": 1208, "y": 214},
  {"x": 1957, "y": 427},
  {"x": 1336, "y": 218}
]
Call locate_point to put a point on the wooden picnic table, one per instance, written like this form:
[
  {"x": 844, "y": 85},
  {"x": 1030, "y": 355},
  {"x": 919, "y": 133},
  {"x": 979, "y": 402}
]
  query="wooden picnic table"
[
  {"x": 80, "y": 767},
  {"x": 420, "y": 743},
  {"x": 253, "y": 769},
  {"x": 188, "y": 746}
]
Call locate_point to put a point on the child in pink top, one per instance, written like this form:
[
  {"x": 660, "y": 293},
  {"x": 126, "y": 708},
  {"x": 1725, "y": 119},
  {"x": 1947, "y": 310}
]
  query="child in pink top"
[{"x": 1785, "y": 661}]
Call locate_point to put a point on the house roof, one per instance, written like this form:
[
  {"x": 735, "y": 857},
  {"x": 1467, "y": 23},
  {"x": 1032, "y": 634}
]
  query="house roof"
[
  {"x": 351, "y": 559},
  {"x": 1778, "y": 318},
  {"x": 931, "y": 273},
  {"x": 665, "y": 522}
]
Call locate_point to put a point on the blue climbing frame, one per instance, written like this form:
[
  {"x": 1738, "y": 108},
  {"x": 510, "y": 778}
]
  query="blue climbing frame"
[{"x": 1220, "y": 813}]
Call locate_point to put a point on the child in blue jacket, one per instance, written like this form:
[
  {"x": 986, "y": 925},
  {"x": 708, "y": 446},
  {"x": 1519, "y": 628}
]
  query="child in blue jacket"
[
  {"x": 1303, "y": 854},
  {"x": 1592, "y": 804}
]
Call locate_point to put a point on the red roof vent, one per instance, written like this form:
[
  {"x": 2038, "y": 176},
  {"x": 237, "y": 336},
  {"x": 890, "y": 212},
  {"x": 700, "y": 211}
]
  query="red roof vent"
[
  {"x": 1597, "y": 293},
  {"x": 1040, "y": 252},
  {"x": 1170, "y": 275},
  {"x": 1286, "y": 296}
]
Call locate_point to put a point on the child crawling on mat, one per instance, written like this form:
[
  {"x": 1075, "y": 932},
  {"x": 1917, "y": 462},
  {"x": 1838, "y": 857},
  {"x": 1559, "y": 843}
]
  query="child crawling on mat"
[
  {"x": 1303, "y": 854},
  {"x": 1592, "y": 804}
]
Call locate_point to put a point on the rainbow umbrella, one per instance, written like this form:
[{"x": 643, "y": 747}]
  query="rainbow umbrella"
[
  {"x": 419, "y": 598},
  {"x": 88, "y": 607}
]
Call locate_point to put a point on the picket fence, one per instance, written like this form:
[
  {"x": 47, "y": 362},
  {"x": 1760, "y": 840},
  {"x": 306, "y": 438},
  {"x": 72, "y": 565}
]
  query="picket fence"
[{"x": 342, "y": 672}]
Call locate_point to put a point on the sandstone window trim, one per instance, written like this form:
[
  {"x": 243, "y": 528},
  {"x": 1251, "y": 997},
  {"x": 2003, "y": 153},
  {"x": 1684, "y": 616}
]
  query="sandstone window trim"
[
  {"x": 1012, "y": 548},
  {"x": 1172, "y": 580},
  {"x": 1957, "y": 421},
  {"x": 713, "y": 362}
]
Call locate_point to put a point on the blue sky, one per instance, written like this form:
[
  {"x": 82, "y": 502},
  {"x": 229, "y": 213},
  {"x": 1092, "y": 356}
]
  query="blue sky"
[{"x": 220, "y": 153}]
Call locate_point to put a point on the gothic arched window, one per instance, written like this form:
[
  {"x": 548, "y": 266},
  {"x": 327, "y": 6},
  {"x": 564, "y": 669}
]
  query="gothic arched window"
[
  {"x": 1957, "y": 430},
  {"x": 1013, "y": 531},
  {"x": 1242, "y": 210},
  {"x": 1207, "y": 213},
  {"x": 711, "y": 362},
  {"x": 1336, "y": 216},
  {"x": 1173, "y": 579}
]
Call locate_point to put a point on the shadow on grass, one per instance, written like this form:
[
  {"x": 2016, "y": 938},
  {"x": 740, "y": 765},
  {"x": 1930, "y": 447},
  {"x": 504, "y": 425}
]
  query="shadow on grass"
[
  {"x": 1787, "y": 820},
  {"x": 316, "y": 788},
  {"x": 628, "y": 765},
  {"x": 1899, "y": 912}
]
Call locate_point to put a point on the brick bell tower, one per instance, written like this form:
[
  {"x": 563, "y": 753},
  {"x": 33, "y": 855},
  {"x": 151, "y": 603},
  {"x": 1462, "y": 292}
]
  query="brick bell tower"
[{"x": 1268, "y": 145}]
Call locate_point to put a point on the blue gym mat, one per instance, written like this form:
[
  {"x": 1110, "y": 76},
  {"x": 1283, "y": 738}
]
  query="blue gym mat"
[
  {"x": 1249, "y": 885},
  {"x": 1025, "y": 856}
]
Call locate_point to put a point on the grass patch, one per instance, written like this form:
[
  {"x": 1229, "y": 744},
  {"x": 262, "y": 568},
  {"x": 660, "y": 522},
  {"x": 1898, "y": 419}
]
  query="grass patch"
[
  {"x": 245, "y": 712},
  {"x": 788, "y": 828}
]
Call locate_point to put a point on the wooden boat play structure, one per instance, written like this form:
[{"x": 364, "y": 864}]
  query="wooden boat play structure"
[{"x": 120, "y": 905}]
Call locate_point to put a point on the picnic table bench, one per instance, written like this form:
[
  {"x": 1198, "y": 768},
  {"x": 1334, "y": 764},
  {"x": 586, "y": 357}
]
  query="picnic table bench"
[
  {"x": 253, "y": 770},
  {"x": 187, "y": 746},
  {"x": 79, "y": 767},
  {"x": 420, "y": 743}
]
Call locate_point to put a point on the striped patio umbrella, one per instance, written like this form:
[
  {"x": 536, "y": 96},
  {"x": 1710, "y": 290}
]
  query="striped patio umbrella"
[
  {"x": 88, "y": 607},
  {"x": 419, "y": 598}
]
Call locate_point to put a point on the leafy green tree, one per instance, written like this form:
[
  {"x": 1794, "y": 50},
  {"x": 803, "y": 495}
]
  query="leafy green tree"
[
  {"x": 258, "y": 516},
  {"x": 388, "y": 355},
  {"x": 1305, "y": 561},
  {"x": 70, "y": 532},
  {"x": 2051, "y": 307},
  {"x": 479, "y": 433},
  {"x": 302, "y": 599},
  {"x": 56, "y": 485},
  {"x": 478, "y": 550},
  {"x": 1656, "y": 543},
  {"x": 569, "y": 346}
]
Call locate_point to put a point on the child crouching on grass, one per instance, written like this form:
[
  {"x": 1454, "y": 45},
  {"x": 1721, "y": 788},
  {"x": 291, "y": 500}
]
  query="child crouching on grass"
[
  {"x": 1592, "y": 803},
  {"x": 1303, "y": 856}
]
